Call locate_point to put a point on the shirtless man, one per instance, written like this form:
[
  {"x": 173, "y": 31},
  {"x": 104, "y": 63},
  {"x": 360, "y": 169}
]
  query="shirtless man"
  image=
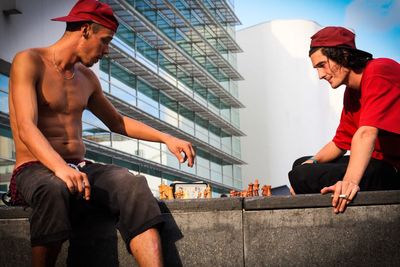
[{"x": 49, "y": 89}]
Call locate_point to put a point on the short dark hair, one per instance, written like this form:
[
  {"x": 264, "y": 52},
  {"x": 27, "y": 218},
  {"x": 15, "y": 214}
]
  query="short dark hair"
[
  {"x": 346, "y": 57},
  {"x": 76, "y": 26}
]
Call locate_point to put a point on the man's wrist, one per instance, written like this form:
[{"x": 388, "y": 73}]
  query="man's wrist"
[{"x": 165, "y": 138}]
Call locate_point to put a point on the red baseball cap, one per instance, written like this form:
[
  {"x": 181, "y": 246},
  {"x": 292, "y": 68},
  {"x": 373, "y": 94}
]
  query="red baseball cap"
[
  {"x": 335, "y": 37},
  {"x": 92, "y": 10}
]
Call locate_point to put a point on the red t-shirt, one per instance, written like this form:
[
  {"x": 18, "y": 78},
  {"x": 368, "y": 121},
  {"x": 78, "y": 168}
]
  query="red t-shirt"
[{"x": 376, "y": 104}]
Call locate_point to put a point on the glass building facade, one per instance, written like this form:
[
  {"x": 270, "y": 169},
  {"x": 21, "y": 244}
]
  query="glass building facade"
[{"x": 172, "y": 65}]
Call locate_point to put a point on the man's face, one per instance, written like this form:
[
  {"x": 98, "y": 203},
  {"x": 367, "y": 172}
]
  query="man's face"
[
  {"x": 94, "y": 45},
  {"x": 329, "y": 70}
]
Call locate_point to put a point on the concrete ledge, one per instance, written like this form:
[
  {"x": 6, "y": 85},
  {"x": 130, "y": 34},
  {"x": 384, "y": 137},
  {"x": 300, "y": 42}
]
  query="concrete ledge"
[
  {"x": 258, "y": 231},
  {"x": 319, "y": 201},
  {"x": 196, "y": 205}
]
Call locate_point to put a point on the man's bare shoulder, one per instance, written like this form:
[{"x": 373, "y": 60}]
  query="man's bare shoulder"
[
  {"x": 34, "y": 55},
  {"x": 28, "y": 61}
]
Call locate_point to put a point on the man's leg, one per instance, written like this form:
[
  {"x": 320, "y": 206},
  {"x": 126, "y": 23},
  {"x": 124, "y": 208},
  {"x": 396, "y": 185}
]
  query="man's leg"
[
  {"x": 49, "y": 199},
  {"x": 45, "y": 256},
  {"x": 146, "y": 248},
  {"x": 129, "y": 198},
  {"x": 311, "y": 178}
]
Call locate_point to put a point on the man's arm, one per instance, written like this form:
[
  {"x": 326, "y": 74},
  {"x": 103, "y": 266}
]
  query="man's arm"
[
  {"x": 105, "y": 111},
  {"x": 328, "y": 153},
  {"x": 23, "y": 78},
  {"x": 362, "y": 146}
]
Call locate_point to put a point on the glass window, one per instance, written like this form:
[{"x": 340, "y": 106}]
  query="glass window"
[
  {"x": 226, "y": 141},
  {"x": 201, "y": 129},
  {"x": 227, "y": 171},
  {"x": 237, "y": 172},
  {"x": 148, "y": 98},
  {"x": 215, "y": 138},
  {"x": 236, "y": 147},
  {"x": 126, "y": 35},
  {"x": 169, "y": 110},
  {"x": 4, "y": 93},
  {"x": 125, "y": 144},
  {"x": 145, "y": 49},
  {"x": 150, "y": 150},
  {"x": 216, "y": 172},
  {"x": 96, "y": 134},
  {"x": 225, "y": 111},
  {"x": 7, "y": 147},
  {"x": 186, "y": 120},
  {"x": 235, "y": 117},
  {"x": 123, "y": 75},
  {"x": 203, "y": 167}
]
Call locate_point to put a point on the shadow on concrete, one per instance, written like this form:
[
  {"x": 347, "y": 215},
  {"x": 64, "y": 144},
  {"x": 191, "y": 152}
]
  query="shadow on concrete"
[
  {"x": 170, "y": 234},
  {"x": 94, "y": 240}
]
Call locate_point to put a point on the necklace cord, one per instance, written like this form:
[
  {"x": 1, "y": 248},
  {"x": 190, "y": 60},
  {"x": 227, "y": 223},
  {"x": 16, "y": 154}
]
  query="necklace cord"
[{"x": 59, "y": 70}]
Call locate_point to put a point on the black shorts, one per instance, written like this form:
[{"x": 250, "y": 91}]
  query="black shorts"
[{"x": 113, "y": 188}]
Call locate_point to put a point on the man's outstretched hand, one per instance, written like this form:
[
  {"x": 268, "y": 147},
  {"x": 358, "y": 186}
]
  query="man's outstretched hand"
[
  {"x": 343, "y": 193},
  {"x": 179, "y": 147}
]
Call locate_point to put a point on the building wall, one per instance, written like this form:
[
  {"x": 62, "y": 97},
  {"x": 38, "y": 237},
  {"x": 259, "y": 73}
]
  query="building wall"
[{"x": 289, "y": 111}]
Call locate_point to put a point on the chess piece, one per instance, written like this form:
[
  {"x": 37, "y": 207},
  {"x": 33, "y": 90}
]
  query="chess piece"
[
  {"x": 269, "y": 192},
  {"x": 162, "y": 189},
  {"x": 266, "y": 190},
  {"x": 250, "y": 190},
  {"x": 179, "y": 193},
  {"x": 207, "y": 192},
  {"x": 256, "y": 188}
]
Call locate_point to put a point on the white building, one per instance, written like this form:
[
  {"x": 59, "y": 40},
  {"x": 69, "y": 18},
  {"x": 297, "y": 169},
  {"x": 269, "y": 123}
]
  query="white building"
[{"x": 289, "y": 112}]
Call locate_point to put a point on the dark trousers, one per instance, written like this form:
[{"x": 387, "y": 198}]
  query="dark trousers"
[{"x": 311, "y": 178}]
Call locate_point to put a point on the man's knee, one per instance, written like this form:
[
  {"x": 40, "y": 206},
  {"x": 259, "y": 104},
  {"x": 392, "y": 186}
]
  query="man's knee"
[
  {"x": 297, "y": 176},
  {"x": 301, "y": 178},
  {"x": 299, "y": 161},
  {"x": 126, "y": 179}
]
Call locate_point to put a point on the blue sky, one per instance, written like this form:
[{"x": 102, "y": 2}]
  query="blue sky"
[{"x": 376, "y": 22}]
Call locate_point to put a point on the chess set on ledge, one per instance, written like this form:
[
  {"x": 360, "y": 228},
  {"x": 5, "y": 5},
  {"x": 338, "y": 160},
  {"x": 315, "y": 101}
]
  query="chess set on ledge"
[
  {"x": 253, "y": 191},
  {"x": 181, "y": 190}
]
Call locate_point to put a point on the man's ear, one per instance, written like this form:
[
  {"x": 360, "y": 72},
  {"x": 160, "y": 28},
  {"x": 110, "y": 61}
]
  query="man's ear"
[{"x": 85, "y": 29}]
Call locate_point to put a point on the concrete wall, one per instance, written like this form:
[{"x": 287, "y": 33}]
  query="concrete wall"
[
  {"x": 258, "y": 231},
  {"x": 289, "y": 113}
]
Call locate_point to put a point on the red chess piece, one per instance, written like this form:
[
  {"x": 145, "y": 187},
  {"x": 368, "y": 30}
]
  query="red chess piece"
[
  {"x": 266, "y": 190},
  {"x": 250, "y": 190},
  {"x": 256, "y": 188}
]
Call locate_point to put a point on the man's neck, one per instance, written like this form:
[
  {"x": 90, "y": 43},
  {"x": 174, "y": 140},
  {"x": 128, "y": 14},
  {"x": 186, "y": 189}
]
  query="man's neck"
[
  {"x": 354, "y": 80},
  {"x": 63, "y": 54}
]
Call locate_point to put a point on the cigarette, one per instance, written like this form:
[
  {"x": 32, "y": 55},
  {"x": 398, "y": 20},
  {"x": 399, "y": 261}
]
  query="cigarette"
[{"x": 340, "y": 196}]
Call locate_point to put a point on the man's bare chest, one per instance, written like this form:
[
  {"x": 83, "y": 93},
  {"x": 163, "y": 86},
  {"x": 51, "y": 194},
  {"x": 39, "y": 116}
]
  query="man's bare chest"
[{"x": 59, "y": 95}]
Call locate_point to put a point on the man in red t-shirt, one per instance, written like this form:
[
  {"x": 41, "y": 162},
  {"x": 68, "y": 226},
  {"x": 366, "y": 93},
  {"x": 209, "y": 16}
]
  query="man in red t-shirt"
[{"x": 369, "y": 125}]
